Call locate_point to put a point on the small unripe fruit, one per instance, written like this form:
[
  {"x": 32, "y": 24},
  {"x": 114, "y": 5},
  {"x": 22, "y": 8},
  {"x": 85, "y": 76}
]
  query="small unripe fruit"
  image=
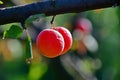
[
  {"x": 67, "y": 38},
  {"x": 50, "y": 43}
]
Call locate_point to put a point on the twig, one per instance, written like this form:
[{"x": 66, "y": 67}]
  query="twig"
[{"x": 20, "y": 13}]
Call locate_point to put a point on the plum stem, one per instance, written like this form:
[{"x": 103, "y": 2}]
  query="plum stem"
[{"x": 52, "y": 21}]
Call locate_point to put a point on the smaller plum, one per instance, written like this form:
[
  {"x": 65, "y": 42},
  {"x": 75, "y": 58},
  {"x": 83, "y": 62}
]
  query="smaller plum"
[{"x": 67, "y": 38}]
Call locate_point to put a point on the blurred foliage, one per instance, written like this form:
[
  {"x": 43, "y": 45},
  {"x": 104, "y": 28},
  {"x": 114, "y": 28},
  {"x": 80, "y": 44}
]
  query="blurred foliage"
[
  {"x": 1, "y": 2},
  {"x": 29, "y": 54},
  {"x": 14, "y": 32},
  {"x": 80, "y": 63}
]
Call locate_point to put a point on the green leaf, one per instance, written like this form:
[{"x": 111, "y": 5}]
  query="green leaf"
[
  {"x": 29, "y": 54},
  {"x": 32, "y": 18},
  {"x": 4, "y": 34},
  {"x": 1, "y": 2},
  {"x": 14, "y": 32}
]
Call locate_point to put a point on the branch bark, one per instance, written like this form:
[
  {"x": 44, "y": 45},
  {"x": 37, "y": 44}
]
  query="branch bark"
[{"x": 52, "y": 7}]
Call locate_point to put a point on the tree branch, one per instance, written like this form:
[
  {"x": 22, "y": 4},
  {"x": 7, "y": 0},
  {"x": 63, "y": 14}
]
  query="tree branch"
[{"x": 51, "y": 7}]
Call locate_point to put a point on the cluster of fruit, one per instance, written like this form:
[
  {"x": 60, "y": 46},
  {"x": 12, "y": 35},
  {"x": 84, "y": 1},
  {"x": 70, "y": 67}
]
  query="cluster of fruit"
[{"x": 54, "y": 42}]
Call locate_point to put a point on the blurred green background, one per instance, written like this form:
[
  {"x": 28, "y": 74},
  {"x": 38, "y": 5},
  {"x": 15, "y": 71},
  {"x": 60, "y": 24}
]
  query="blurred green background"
[{"x": 95, "y": 56}]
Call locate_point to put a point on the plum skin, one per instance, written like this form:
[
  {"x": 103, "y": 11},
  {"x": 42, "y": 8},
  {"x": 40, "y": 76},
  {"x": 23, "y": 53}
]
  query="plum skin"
[{"x": 50, "y": 43}]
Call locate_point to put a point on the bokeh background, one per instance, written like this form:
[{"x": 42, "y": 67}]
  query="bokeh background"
[{"x": 95, "y": 53}]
